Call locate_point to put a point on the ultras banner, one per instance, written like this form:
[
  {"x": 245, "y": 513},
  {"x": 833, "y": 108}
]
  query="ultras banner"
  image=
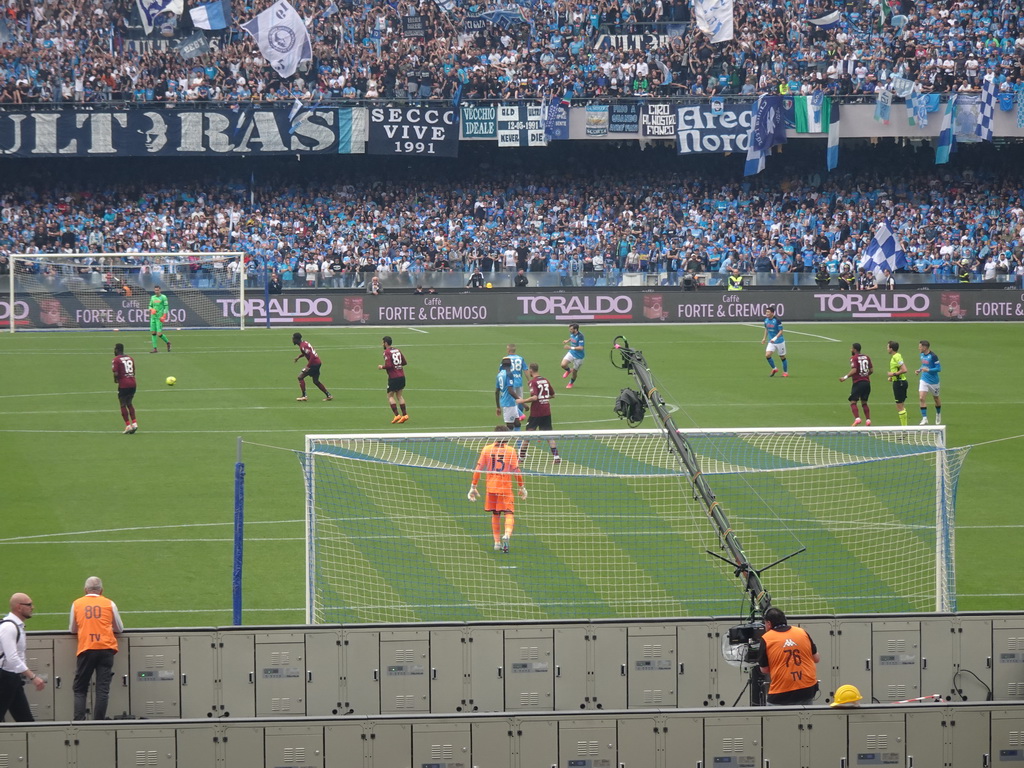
[
  {"x": 665, "y": 305},
  {"x": 181, "y": 131},
  {"x": 414, "y": 130}
]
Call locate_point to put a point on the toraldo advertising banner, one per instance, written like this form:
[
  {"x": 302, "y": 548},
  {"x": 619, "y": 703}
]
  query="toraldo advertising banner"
[{"x": 201, "y": 309}]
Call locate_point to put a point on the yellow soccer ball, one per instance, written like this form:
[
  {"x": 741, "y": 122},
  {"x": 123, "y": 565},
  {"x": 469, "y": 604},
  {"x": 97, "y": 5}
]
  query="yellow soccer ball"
[{"x": 170, "y": 381}]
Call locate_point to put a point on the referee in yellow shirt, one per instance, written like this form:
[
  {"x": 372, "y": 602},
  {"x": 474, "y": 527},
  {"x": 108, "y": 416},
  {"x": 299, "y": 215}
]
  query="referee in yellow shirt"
[{"x": 898, "y": 376}]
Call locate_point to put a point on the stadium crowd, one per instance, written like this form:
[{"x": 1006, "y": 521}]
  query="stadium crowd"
[
  {"x": 90, "y": 51},
  {"x": 583, "y": 222}
]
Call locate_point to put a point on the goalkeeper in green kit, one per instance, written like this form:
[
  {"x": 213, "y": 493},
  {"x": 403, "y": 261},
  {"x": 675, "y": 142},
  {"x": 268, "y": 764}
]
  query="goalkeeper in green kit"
[{"x": 158, "y": 313}]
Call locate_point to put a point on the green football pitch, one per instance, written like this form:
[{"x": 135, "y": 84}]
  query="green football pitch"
[{"x": 151, "y": 513}]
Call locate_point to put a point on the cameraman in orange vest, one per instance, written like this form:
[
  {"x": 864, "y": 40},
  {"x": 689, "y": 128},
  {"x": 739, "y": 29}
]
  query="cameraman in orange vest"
[
  {"x": 788, "y": 656},
  {"x": 97, "y": 623}
]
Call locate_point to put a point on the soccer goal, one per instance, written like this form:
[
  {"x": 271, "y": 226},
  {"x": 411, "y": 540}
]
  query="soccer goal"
[
  {"x": 57, "y": 291},
  {"x": 613, "y": 530}
]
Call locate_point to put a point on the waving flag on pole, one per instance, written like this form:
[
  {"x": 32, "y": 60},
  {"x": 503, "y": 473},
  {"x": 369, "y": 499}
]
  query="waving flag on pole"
[
  {"x": 884, "y": 251},
  {"x": 946, "y": 140},
  {"x": 215, "y": 15},
  {"x": 714, "y": 18},
  {"x": 150, "y": 9},
  {"x": 832, "y": 153},
  {"x": 281, "y": 36},
  {"x": 986, "y": 111},
  {"x": 828, "y": 21}
]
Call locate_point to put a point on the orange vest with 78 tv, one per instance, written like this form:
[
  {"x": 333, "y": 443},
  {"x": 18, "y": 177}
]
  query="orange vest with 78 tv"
[{"x": 790, "y": 659}]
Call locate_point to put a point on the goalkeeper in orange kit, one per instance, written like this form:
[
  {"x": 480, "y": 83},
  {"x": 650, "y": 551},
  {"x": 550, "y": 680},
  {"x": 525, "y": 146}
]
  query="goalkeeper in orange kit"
[
  {"x": 158, "y": 313},
  {"x": 501, "y": 463}
]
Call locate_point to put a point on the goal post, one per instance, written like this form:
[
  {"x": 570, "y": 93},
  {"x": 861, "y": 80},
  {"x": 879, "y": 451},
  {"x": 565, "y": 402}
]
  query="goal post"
[
  {"x": 73, "y": 291},
  {"x": 613, "y": 530}
]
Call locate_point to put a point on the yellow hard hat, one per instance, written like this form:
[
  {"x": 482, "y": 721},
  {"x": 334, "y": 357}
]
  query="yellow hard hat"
[{"x": 846, "y": 694}]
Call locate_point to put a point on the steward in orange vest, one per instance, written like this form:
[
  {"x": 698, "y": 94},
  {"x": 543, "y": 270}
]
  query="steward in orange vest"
[{"x": 97, "y": 623}]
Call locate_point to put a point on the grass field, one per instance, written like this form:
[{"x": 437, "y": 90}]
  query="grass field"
[{"x": 151, "y": 513}]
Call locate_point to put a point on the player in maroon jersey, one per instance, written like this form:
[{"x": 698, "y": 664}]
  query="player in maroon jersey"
[
  {"x": 394, "y": 364},
  {"x": 539, "y": 401},
  {"x": 860, "y": 371},
  {"x": 124, "y": 374},
  {"x": 311, "y": 369}
]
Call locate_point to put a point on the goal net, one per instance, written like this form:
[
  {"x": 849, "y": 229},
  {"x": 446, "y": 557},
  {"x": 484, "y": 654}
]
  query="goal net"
[
  {"x": 111, "y": 290},
  {"x": 613, "y": 530}
]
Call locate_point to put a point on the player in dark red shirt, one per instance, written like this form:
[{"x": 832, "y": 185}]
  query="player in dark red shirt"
[
  {"x": 860, "y": 371},
  {"x": 124, "y": 374},
  {"x": 394, "y": 364},
  {"x": 311, "y": 369},
  {"x": 539, "y": 402}
]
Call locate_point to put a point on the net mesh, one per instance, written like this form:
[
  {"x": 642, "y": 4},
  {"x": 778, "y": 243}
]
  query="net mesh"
[
  {"x": 111, "y": 290},
  {"x": 613, "y": 530}
]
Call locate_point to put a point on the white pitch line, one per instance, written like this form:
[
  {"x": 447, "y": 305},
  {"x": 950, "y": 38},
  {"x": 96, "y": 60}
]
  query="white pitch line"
[
  {"x": 789, "y": 332},
  {"x": 147, "y": 528},
  {"x": 418, "y": 330}
]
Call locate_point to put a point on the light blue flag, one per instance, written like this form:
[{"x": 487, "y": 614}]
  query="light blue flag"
[
  {"x": 832, "y": 153},
  {"x": 5, "y": 32},
  {"x": 150, "y": 9},
  {"x": 755, "y": 157},
  {"x": 946, "y": 139},
  {"x": 883, "y": 106},
  {"x": 215, "y": 15},
  {"x": 884, "y": 251}
]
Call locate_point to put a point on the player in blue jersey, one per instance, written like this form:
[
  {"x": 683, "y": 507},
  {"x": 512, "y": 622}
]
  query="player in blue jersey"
[
  {"x": 505, "y": 396},
  {"x": 518, "y": 369},
  {"x": 929, "y": 372},
  {"x": 574, "y": 354},
  {"x": 776, "y": 341}
]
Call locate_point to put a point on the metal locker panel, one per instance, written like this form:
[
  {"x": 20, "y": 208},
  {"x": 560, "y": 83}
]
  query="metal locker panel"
[
  {"x": 1007, "y": 739},
  {"x": 587, "y": 744},
  {"x": 783, "y": 739},
  {"x": 442, "y": 745},
  {"x": 641, "y": 743},
  {"x": 852, "y": 648},
  {"x": 729, "y": 681},
  {"x": 973, "y": 666},
  {"x": 237, "y": 676},
  {"x": 65, "y": 658},
  {"x": 200, "y": 746},
  {"x": 390, "y": 745},
  {"x": 486, "y": 651},
  {"x": 732, "y": 742},
  {"x": 39, "y": 657},
  {"x": 534, "y": 743},
  {"x": 696, "y": 656},
  {"x": 360, "y": 672},
  {"x": 449, "y": 670},
  {"x": 323, "y": 674},
  {"x": 876, "y": 739},
  {"x": 1008, "y": 666},
  {"x": 651, "y": 671},
  {"x": 822, "y": 631},
  {"x": 119, "y": 702},
  {"x": 280, "y": 674},
  {"x": 294, "y": 747},
  {"x": 152, "y": 748},
  {"x": 14, "y": 750},
  {"x": 928, "y": 736},
  {"x": 573, "y": 665},
  {"x": 346, "y": 745},
  {"x": 825, "y": 736},
  {"x": 93, "y": 747},
  {"x": 684, "y": 740},
  {"x": 153, "y": 689},
  {"x": 528, "y": 669},
  {"x": 404, "y": 679},
  {"x": 939, "y": 643},
  {"x": 492, "y": 744},
  {"x": 198, "y": 675},
  {"x": 47, "y": 748},
  {"x": 241, "y": 747},
  {"x": 608, "y": 667},
  {"x": 970, "y": 738},
  {"x": 896, "y": 660}
]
